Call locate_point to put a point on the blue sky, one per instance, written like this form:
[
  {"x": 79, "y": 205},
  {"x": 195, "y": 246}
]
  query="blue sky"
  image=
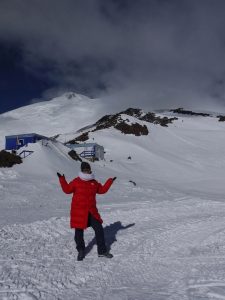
[{"x": 17, "y": 86}]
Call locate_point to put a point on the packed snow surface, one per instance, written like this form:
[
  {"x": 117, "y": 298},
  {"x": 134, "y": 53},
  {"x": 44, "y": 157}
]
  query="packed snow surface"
[{"x": 167, "y": 232}]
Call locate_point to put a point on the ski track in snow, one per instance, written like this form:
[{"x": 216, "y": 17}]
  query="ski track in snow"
[{"x": 169, "y": 250}]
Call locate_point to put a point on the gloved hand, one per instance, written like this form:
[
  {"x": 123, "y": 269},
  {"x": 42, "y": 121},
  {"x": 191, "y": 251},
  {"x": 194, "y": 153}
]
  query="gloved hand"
[
  {"x": 114, "y": 178},
  {"x": 59, "y": 175}
]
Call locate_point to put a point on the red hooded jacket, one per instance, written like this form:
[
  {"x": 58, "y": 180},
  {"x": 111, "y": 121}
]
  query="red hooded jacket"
[{"x": 84, "y": 200}]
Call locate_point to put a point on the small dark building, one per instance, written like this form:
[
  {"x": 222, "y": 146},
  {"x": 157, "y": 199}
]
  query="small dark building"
[
  {"x": 91, "y": 151},
  {"x": 15, "y": 142}
]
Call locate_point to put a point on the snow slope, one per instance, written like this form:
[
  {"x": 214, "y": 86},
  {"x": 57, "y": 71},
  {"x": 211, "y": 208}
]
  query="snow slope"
[
  {"x": 63, "y": 114},
  {"x": 167, "y": 233}
]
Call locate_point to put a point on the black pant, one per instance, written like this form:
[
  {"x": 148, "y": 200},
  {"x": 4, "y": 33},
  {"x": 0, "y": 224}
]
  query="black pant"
[{"x": 99, "y": 235}]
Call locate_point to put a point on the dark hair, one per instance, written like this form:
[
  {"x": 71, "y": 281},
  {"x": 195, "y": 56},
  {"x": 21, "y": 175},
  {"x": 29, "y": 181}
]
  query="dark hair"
[{"x": 85, "y": 166}]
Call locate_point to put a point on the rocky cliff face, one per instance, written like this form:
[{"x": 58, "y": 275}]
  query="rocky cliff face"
[{"x": 122, "y": 122}]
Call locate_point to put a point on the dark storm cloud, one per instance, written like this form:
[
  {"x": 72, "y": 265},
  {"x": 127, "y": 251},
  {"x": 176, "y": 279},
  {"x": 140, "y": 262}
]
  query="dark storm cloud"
[{"x": 159, "y": 53}]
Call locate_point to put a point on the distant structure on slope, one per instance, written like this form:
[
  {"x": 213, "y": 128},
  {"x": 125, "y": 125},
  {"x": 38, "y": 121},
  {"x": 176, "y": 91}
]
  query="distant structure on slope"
[
  {"x": 15, "y": 142},
  {"x": 91, "y": 151}
]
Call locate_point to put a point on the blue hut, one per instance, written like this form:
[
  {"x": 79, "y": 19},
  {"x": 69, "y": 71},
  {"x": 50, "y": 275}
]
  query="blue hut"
[
  {"x": 15, "y": 142},
  {"x": 91, "y": 151}
]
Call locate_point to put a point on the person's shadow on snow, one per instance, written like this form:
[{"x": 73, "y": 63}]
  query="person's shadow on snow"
[{"x": 110, "y": 233}]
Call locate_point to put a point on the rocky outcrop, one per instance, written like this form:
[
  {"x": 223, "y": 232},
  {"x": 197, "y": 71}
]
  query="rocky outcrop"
[
  {"x": 134, "y": 112},
  {"x": 188, "y": 112},
  {"x": 221, "y": 118},
  {"x": 7, "y": 160},
  {"x": 73, "y": 154},
  {"x": 152, "y": 118},
  {"x": 149, "y": 117},
  {"x": 124, "y": 125},
  {"x": 107, "y": 121},
  {"x": 134, "y": 128},
  {"x": 120, "y": 124}
]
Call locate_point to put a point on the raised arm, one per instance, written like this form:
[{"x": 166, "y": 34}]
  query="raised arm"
[
  {"x": 67, "y": 188},
  {"x": 102, "y": 189}
]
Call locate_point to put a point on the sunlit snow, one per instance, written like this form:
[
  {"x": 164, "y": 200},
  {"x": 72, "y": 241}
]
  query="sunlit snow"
[{"x": 167, "y": 232}]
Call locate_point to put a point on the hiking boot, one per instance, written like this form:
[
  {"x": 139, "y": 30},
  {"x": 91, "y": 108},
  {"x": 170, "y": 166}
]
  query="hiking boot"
[
  {"x": 106, "y": 254},
  {"x": 80, "y": 255}
]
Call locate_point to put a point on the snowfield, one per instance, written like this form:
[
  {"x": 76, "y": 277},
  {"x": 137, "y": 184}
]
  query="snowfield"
[{"x": 167, "y": 232}]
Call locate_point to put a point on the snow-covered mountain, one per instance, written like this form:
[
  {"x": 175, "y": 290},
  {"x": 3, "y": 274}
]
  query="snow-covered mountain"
[
  {"x": 164, "y": 215},
  {"x": 63, "y": 114}
]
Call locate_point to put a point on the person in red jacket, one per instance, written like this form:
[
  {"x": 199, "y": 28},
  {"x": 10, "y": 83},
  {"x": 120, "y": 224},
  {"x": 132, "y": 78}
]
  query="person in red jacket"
[{"x": 84, "y": 212}]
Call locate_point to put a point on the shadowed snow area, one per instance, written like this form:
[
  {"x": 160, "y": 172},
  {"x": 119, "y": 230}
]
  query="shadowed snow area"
[{"x": 167, "y": 232}]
